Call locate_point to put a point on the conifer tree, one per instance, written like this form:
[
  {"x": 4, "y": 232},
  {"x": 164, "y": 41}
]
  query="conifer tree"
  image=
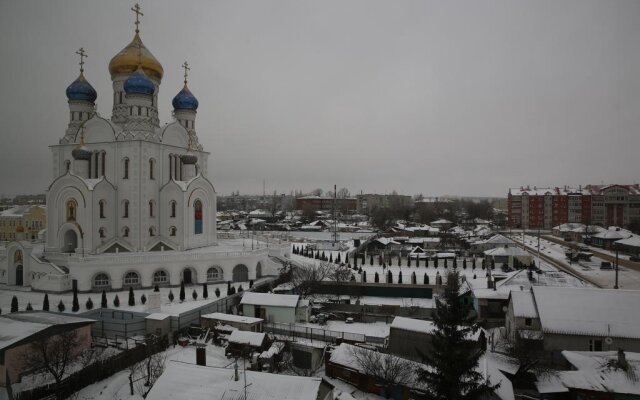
[
  {"x": 29, "y": 307},
  {"x": 194, "y": 294},
  {"x": 240, "y": 289},
  {"x": 45, "y": 303},
  {"x": 330, "y": 257},
  {"x": 89, "y": 304},
  {"x": 389, "y": 277},
  {"x": 132, "y": 298},
  {"x": 156, "y": 288},
  {"x": 217, "y": 292},
  {"x": 75, "y": 307},
  {"x": 182, "y": 295},
  {"x": 14, "y": 304},
  {"x": 364, "y": 275},
  {"x": 116, "y": 301},
  {"x": 61, "y": 306},
  {"x": 170, "y": 295},
  {"x": 104, "y": 303},
  {"x": 413, "y": 277},
  {"x": 143, "y": 299},
  {"x": 426, "y": 279},
  {"x": 399, "y": 276},
  {"x": 376, "y": 278},
  {"x": 205, "y": 291},
  {"x": 454, "y": 357}
]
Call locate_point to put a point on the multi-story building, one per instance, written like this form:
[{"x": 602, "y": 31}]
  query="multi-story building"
[
  {"x": 367, "y": 202},
  {"x": 28, "y": 220},
  {"x": 604, "y": 205},
  {"x": 319, "y": 203}
]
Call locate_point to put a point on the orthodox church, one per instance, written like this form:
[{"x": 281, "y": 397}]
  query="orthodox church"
[{"x": 130, "y": 203}]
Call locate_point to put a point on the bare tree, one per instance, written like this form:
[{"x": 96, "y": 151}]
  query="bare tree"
[
  {"x": 526, "y": 354},
  {"x": 343, "y": 193},
  {"x": 143, "y": 375},
  {"x": 305, "y": 277},
  {"x": 53, "y": 354},
  {"x": 388, "y": 370}
]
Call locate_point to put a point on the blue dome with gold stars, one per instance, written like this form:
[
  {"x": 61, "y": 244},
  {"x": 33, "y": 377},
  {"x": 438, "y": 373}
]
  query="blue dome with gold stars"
[
  {"x": 139, "y": 83},
  {"x": 81, "y": 90},
  {"x": 185, "y": 100}
]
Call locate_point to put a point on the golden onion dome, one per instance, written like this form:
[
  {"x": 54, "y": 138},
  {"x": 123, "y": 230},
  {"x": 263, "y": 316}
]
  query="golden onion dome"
[{"x": 128, "y": 59}]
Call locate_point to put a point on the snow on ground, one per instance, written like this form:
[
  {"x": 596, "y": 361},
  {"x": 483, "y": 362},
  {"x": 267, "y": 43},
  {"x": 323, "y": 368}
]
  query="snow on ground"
[
  {"x": 377, "y": 329},
  {"x": 174, "y": 307},
  {"x": 627, "y": 278}
]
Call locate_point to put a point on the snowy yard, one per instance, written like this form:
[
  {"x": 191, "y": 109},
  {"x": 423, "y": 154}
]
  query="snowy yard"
[{"x": 174, "y": 307}]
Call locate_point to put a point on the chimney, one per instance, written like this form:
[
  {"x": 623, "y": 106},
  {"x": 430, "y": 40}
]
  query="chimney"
[
  {"x": 201, "y": 356},
  {"x": 622, "y": 359}
]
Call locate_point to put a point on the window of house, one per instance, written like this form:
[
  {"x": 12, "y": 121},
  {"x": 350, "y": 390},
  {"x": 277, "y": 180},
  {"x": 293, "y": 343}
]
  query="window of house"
[
  {"x": 152, "y": 231},
  {"x": 151, "y": 208},
  {"x": 125, "y": 174},
  {"x": 125, "y": 232},
  {"x": 527, "y": 321},
  {"x": 172, "y": 231},
  {"x": 101, "y": 206},
  {"x": 125, "y": 209},
  {"x": 173, "y": 209},
  {"x": 595, "y": 345},
  {"x": 152, "y": 164},
  {"x": 213, "y": 274},
  {"x": 102, "y": 233}
]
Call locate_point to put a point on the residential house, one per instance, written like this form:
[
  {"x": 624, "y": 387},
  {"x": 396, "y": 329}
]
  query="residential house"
[
  {"x": 278, "y": 308},
  {"x": 240, "y": 322}
]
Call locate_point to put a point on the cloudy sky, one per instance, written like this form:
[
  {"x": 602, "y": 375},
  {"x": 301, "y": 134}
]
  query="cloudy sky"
[{"x": 434, "y": 97}]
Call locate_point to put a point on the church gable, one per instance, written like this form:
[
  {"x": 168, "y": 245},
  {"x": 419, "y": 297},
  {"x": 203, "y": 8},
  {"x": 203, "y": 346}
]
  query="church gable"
[
  {"x": 98, "y": 130},
  {"x": 175, "y": 134},
  {"x": 161, "y": 246}
]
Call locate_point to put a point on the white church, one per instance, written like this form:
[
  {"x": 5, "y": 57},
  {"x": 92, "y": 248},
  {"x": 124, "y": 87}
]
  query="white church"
[{"x": 130, "y": 203}]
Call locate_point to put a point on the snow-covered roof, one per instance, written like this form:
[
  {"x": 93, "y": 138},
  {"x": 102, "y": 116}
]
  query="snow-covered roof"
[
  {"x": 441, "y": 221},
  {"x": 589, "y": 311},
  {"x": 158, "y": 316},
  {"x": 270, "y": 299},
  {"x": 595, "y": 371},
  {"x": 523, "y": 304},
  {"x": 188, "y": 381},
  {"x": 275, "y": 348},
  {"x": 413, "y": 325},
  {"x": 245, "y": 337},
  {"x": 16, "y": 327},
  {"x": 633, "y": 241},
  {"x": 611, "y": 235},
  {"x": 497, "y": 240},
  {"x": 506, "y": 251},
  {"x": 386, "y": 241},
  {"x": 232, "y": 318}
]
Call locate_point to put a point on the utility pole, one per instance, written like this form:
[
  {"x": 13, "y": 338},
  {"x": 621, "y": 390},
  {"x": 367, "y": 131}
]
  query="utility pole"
[{"x": 616, "y": 285}]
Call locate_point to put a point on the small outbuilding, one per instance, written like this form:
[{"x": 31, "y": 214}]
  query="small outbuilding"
[
  {"x": 243, "y": 343},
  {"x": 278, "y": 308},
  {"x": 240, "y": 322}
]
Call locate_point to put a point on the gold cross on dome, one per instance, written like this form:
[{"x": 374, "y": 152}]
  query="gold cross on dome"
[
  {"x": 136, "y": 9},
  {"x": 83, "y": 55},
  {"x": 186, "y": 68}
]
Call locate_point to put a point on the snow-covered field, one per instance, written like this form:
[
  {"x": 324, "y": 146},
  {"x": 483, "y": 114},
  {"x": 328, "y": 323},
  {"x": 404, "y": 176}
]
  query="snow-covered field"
[
  {"x": 174, "y": 307},
  {"x": 627, "y": 278}
]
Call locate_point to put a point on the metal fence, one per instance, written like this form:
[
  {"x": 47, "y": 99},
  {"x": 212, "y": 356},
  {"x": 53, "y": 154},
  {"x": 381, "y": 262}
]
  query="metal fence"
[
  {"x": 325, "y": 335},
  {"x": 112, "y": 323}
]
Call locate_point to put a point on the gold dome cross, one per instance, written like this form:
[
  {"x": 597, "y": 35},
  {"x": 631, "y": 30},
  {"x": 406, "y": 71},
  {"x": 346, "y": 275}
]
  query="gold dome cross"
[
  {"x": 136, "y": 9},
  {"x": 83, "y": 55}
]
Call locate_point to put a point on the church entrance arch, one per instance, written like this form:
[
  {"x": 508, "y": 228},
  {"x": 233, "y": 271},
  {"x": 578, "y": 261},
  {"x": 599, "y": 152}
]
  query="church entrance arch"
[
  {"x": 19, "y": 275},
  {"x": 70, "y": 241},
  {"x": 188, "y": 276},
  {"x": 240, "y": 273}
]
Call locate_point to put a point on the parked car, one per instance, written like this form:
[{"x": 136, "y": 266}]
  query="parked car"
[{"x": 606, "y": 265}]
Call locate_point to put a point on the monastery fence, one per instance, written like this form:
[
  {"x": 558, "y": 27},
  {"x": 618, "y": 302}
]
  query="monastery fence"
[{"x": 325, "y": 335}]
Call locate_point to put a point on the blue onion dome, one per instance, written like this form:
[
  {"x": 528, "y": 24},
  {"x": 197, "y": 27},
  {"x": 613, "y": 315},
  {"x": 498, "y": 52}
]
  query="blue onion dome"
[
  {"x": 81, "y": 153},
  {"x": 139, "y": 83},
  {"x": 81, "y": 90},
  {"x": 189, "y": 158},
  {"x": 185, "y": 100}
]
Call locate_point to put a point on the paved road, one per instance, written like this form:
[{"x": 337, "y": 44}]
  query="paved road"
[{"x": 607, "y": 257}]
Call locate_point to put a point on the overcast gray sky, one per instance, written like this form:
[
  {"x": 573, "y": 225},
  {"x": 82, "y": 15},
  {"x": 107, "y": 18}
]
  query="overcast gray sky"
[{"x": 433, "y": 97}]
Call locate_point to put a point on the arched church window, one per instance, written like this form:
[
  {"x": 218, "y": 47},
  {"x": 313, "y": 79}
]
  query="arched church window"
[
  {"x": 17, "y": 256},
  {"x": 139, "y": 110},
  {"x": 152, "y": 231},
  {"x": 101, "y": 280},
  {"x": 131, "y": 278},
  {"x": 72, "y": 207},
  {"x": 152, "y": 166},
  {"x": 173, "y": 209},
  {"x": 197, "y": 217},
  {"x": 172, "y": 231},
  {"x": 160, "y": 277},
  {"x": 102, "y": 232},
  {"x": 151, "y": 208},
  {"x": 125, "y": 167},
  {"x": 125, "y": 232},
  {"x": 96, "y": 155},
  {"x": 101, "y": 206},
  {"x": 213, "y": 274},
  {"x": 104, "y": 162},
  {"x": 125, "y": 209}
]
